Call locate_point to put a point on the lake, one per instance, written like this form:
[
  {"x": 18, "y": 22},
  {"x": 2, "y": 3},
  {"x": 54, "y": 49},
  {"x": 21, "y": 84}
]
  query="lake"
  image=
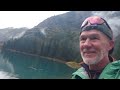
[{"x": 15, "y": 65}]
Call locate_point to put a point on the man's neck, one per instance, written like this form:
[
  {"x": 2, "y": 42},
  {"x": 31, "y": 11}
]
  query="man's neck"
[{"x": 100, "y": 65}]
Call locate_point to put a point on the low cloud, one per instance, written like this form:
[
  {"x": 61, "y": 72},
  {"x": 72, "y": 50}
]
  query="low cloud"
[{"x": 112, "y": 19}]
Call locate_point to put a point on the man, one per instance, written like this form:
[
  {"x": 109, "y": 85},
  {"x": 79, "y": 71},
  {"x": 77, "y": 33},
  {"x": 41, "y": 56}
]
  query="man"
[{"x": 96, "y": 45}]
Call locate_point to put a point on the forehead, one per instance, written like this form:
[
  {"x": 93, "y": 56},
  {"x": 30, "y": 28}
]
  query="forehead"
[{"x": 92, "y": 32}]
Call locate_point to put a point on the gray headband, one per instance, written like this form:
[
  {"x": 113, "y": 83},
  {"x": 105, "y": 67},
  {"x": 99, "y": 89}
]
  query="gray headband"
[{"x": 102, "y": 28}]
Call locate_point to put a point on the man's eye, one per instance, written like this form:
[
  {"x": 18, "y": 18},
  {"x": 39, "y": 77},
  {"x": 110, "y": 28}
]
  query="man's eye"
[
  {"x": 94, "y": 38},
  {"x": 82, "y": 39}
]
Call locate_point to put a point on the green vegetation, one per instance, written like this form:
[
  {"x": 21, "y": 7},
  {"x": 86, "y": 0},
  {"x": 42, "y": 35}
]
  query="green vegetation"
[{"x": 63, "y": 45}]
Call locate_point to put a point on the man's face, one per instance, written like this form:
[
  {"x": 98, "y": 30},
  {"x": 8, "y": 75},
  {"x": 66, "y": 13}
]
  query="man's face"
[{"x": 94, "y": 46}]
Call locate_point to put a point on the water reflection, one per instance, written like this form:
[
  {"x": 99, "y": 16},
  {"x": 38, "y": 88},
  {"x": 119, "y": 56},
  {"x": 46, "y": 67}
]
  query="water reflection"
[
  {"x": 6, "y": 75},
  {"x": 32, "y": 67},
  {"x": 6, "y": 69}
]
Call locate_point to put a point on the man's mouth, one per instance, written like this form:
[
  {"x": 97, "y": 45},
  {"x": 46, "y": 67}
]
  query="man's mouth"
[{"x": 89, "y": 53}]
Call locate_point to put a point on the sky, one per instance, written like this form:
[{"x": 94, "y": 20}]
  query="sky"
[{"x": 29, "y": 19}]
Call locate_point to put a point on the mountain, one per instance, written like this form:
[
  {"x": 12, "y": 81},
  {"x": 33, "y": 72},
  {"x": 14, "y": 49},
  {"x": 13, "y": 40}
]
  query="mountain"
[
  {"x": 116, "y": 53},
  {"x": 2, "y": 38},
  {"x": 70, "y": 20},
  {"x": 12, "y": 32},
  {"x": 58, "y": 36}
]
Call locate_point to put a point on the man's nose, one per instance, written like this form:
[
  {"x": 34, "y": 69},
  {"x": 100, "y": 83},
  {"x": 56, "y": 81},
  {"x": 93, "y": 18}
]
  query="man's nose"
[{"x": 87, "y": 43}]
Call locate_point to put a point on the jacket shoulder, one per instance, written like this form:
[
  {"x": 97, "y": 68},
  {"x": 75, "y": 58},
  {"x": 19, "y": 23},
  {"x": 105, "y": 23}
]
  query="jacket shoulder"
[
  {"x": 111, "y": 71},
  {"x": 80, "y": 74}
]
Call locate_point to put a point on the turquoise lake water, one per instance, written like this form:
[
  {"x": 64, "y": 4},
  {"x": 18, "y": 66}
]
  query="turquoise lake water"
[{"x": 21, "y": 66}]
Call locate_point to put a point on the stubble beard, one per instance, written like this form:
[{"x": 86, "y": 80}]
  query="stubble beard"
[{"x": 94, "y": 60}]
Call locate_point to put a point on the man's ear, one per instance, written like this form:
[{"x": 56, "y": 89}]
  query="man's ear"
[{"x": 111, "y": 44}]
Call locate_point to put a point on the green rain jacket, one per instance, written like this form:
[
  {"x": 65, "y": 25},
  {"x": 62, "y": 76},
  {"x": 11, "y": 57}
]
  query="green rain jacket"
[{"x": 111, "y": 71}]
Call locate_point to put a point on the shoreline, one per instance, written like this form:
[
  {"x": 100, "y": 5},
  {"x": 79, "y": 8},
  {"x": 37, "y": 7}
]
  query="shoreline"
[
  {"x": 71, "y": 64},
  {"x": 53, "y": 59}
]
